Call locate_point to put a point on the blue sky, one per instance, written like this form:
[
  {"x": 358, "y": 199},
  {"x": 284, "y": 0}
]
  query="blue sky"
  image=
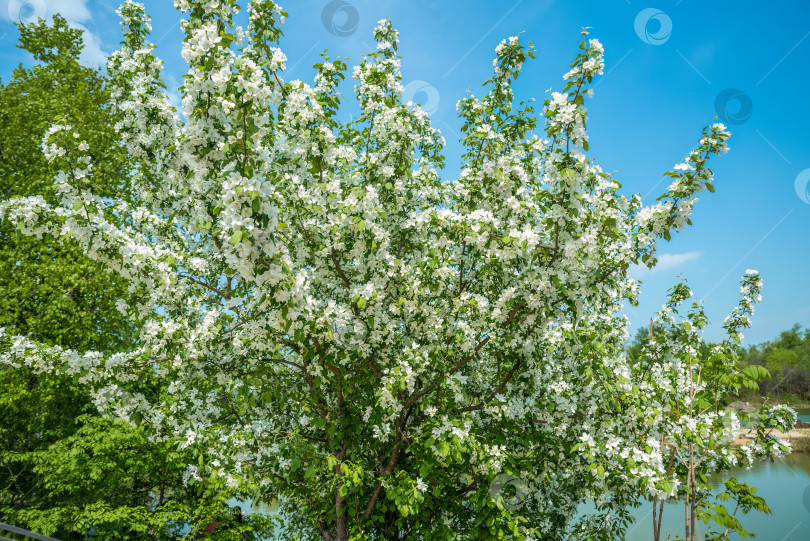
[{"x": 671, "y": 66}]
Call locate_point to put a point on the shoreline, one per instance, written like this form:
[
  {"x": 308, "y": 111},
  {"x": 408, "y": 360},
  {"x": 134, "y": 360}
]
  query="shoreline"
[
  {"x": 752, "y": 405},
  {"x": 799, "y": 439}
]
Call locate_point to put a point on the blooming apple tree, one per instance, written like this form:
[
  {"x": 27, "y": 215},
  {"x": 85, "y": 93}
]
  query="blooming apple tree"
[
  {"x": 685, "y": 385},
  {"x": 341, "y": 328}
]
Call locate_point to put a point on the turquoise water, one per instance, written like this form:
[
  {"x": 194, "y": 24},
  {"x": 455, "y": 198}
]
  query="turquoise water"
[
  {"x": 785, "y": 485},
  {"x": 249, "y": 508},
  {"x": 804, "y": 414}
]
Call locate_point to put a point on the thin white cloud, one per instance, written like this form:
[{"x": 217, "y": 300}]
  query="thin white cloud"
[
  {"x": 665, "y": 262},
  {"x": 75, "y": 11},
  {"x": 92, "y": 53}
]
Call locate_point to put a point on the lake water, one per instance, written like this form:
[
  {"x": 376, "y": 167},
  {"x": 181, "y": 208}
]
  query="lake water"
[{"x": 785, "y": 485}]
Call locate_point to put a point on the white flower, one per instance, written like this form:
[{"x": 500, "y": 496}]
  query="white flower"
[{"x": 684, "y": 167}]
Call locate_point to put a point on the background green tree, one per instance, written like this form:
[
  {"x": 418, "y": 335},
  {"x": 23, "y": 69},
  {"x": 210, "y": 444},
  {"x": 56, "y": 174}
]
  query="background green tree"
[
  {"x": 64, "y": 468},
  {"x": 53, "y": 290},
  {"x": 787, "y": 358}
]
